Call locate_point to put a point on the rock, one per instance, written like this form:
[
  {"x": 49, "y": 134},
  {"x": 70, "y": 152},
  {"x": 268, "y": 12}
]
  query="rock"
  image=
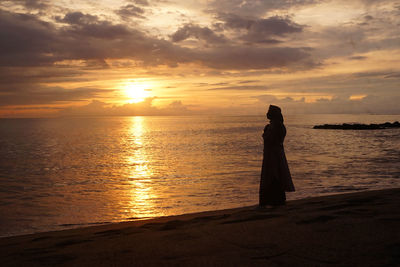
[{"x": 358, "y": 126}]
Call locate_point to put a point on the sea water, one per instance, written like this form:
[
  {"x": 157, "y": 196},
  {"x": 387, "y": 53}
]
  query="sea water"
[{"x": 69, "y": 172}]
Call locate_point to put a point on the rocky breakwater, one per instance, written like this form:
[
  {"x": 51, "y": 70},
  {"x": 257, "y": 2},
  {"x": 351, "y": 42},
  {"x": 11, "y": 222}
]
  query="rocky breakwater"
[{"x": 358, "y": 126}]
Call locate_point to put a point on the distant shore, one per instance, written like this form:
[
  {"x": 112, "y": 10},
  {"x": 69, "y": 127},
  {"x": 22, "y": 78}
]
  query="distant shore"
[{"x": 356, "y": 229}]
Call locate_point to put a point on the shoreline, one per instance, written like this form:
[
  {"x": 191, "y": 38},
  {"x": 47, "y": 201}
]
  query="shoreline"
[
  {"x": 59, "y": 228},
  {"x": 343, "y": 229}
]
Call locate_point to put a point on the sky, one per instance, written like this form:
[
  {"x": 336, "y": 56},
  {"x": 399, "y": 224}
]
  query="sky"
[{"x": 183, "y": 57}]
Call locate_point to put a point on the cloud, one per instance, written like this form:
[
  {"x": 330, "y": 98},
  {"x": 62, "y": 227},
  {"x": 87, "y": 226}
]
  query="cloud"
[
  {"x": 11, "y": 77},
  {"x": 31, "y": 4},
  {"x": 145, "y": 108},
  {"x": 341, "y": 85},
  {"x": 248, "y": 81},
  {"x": 239, "y": 39},
  {"x": 30, "y": 41},
  {"x": 78, "y": 18},
  {"x": 200, "y": 33},
  {"x": 176, "y": 108},
  {"x": 260, "y": 30},
  {"x": 375, "y": 30},
  {"x": 242, "y": 58},
  {"x": 376, "y": 2},
  {"x": 31, "y": 47},
  {"x": 88, "y": 26},
  {"x": 241, "y": 88},
  {"x": 368, "y": 17},
  {"x": 371, "y": 104},
  {"x": 393, "y": 75},
  {"x": 140, "y": 2},
  {"x": 256, "y": 8},
  {"x": 129, "y": 11},
  {"x": 368, "y": 74},
  {"x": 26, "y": 40},
  {"x": 266, "y": 99},
  {"x": 357, "y": 58},
  {"x": 47, "y": 95}
]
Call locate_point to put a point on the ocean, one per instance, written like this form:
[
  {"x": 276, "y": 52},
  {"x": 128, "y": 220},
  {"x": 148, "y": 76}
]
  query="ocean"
[{"x": 60, "y": 173}]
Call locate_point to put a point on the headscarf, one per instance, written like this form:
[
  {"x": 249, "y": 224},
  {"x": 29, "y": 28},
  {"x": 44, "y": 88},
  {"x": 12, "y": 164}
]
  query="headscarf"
[{"x": 274, "y": 114}]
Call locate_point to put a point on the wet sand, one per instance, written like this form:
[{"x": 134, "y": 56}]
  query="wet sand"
[{"x": 357, "y": 229}]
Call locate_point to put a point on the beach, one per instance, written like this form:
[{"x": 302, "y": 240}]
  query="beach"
[{"x": 355, "y": 229}]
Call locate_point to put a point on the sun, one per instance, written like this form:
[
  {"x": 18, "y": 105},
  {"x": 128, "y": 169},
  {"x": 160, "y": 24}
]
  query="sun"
[{"x": 136, "y": 91}]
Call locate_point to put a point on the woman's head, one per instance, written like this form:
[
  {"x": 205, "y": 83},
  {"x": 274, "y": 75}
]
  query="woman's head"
[{"x": 274, "y": 114}]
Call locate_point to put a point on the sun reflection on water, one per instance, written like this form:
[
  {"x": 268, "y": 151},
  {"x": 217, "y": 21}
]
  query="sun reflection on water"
[{"x": 141, "y": 194}]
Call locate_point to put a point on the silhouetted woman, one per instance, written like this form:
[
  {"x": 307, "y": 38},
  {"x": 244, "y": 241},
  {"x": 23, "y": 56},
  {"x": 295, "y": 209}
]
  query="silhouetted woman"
[{"x": 275, "y": 174}]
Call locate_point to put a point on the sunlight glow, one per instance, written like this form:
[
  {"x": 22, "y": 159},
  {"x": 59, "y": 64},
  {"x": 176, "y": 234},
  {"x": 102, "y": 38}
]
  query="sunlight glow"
[
  {"x": 136, "y": 91},
  {"x": 142, "y": 193}
]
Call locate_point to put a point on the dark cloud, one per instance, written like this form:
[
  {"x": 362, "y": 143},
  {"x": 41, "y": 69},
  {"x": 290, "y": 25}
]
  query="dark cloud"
[
  {"x": 211, "y": 84},
  {"x": 256, "y": 8},
  {"x": 260, "y": 40},
  {"x": 358, "y": 58},
  {"x": 31, "y": 4},
  {"x": 129, "y": 11},
  {"x": 393, "y": 75},
  {"x": 35, "y": 108},
  {"x": 368, "y": 74},
  {"x": 26, "y": 40},
  {"x": 256, "y": 58},
  {"x": 200, "y": 33},
  {"x": 241, "y": 88},
  {"x": 140, "y": 2},
  {"x": 78, "y": 18},
  {"x": 30, "y": 41},
  {"x": 260, "y": 30},
  {"x": 370, "y": 3},
  {"x": 87, "y": 26},
  {"x": 47, "y": 95},
  {"x": 36, "y": 4},
  {"x": 249, "y": 81},
  {"x": 270, "y": 26},
  {"x": 11, "y": 77}
]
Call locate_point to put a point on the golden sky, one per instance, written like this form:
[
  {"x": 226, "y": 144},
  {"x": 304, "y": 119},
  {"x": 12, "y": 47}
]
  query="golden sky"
[{"x": 165, "y": 57}]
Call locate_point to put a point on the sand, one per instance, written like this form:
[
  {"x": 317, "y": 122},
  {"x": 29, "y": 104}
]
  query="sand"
[{"x": 357, "y": 229}]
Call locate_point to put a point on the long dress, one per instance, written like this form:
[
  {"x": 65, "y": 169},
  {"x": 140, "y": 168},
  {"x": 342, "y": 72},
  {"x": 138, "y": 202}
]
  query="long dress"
[{"x": 275, "y": 174}]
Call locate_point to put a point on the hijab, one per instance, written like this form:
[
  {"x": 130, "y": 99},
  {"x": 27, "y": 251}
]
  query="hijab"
[{"x": 274, "y": 114}]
